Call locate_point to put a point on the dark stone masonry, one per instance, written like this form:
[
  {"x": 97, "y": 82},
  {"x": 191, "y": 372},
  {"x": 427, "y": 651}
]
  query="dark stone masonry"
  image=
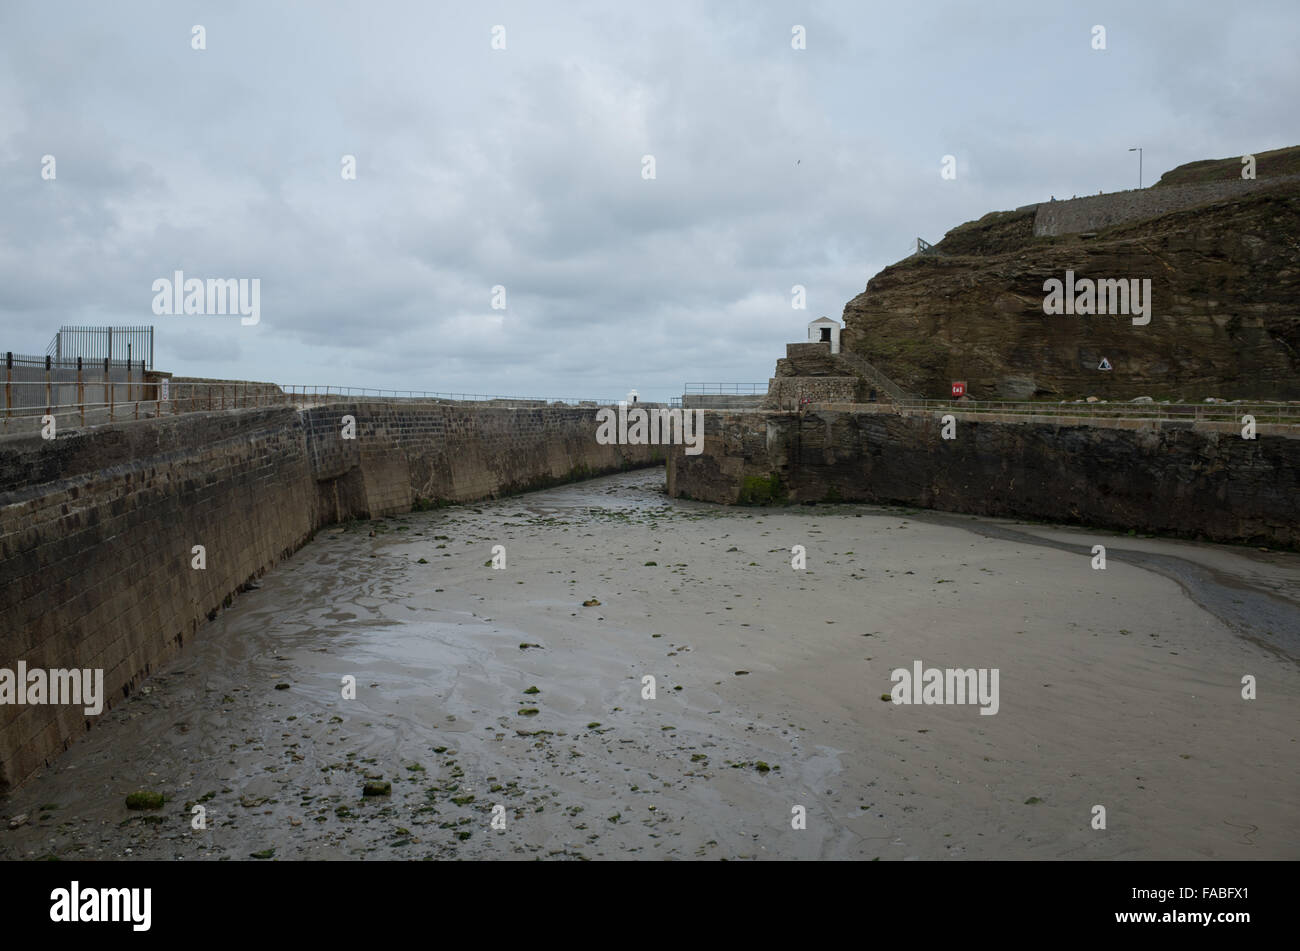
[
  {"x": 97, "y": 526},
  {"x": 1177, "y": 478}
]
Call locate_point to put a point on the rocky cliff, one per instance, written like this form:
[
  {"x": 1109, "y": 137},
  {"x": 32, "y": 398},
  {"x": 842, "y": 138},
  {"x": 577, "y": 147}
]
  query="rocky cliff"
[{"x": 1224, "y": 290}]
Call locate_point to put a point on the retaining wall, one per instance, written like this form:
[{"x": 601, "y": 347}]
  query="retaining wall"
[
  {"x": 1094, "y": 212},
  {"x": 1189, "y": 479},
  {"x": 97, "y": 527}
]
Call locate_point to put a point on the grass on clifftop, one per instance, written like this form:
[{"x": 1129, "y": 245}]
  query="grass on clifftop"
[
  {"x": 996, "y": 232},
  {"x": 1271, "y": 164}
]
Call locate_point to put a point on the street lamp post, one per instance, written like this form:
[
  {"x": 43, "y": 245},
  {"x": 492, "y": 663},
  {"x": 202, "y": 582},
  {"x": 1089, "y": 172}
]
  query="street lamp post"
[{"x": 1139, "y": 152}]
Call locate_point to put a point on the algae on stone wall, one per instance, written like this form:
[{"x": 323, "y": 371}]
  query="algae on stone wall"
[
  {"x": 760, "y": 490},
  {"x": 255, "y": 483},
  {"x": 1104, "y": 473}
]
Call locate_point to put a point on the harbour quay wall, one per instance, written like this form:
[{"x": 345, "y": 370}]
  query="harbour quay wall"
[
  {"x": 1178, "y": 478},
  {"x": 98, "y": 526},
  {"x": 408, "y": 451}
]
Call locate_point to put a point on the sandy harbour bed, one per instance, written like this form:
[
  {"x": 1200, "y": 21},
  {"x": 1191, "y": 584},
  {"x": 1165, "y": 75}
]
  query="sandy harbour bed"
[{"x": 1119, "y": 688}]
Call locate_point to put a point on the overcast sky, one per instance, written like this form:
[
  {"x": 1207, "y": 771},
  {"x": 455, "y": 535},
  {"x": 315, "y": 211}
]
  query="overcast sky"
[{"x": 522, "y": 167}]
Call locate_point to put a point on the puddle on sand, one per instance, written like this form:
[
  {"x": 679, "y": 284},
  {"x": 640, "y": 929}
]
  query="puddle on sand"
[
  {"x": 443, "y": 711},
  {"x": 438, "y": 713}
]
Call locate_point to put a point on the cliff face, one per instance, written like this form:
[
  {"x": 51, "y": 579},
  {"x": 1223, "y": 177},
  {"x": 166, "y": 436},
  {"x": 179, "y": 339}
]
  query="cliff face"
[{"x": 1225, "y": 303}]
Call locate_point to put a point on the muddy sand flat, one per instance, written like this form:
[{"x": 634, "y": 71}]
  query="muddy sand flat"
[{"x": 1120, "y": 688}]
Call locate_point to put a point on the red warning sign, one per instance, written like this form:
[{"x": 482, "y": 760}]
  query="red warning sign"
[{"x": 958, "y": 389}]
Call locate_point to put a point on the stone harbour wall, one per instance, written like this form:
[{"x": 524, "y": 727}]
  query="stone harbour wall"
[
  {"x": 97, "y": 527},
  {"x": 1187, "y": 479}
]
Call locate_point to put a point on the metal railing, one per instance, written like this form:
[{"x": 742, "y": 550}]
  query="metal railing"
[
  {"x": 1279, "y": 413},
  {"x": 40, "y": 382},
  {"x": 15, "y": 360},
  {"x": 1191, "y": 412},
  {"x": 99, "y": 343},
  {"x": 318, "y": 394},
  {"x": 91, "y": 399},
  {"x": 738, "y": 404},
  {"x": 93, "y": 402},
  {"x": 874, "y": 376},
  {"x": 724, "y": 389}
]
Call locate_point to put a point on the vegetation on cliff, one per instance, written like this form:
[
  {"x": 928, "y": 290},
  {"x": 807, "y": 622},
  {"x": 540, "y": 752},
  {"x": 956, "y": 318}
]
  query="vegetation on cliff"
[
  {"x": 1225, "y": 278},
  {"x": 1272, "y": 164}
]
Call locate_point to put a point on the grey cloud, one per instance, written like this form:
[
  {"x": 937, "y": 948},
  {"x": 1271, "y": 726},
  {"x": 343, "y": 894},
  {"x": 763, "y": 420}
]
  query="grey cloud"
[{"x": 523, "y": 168}]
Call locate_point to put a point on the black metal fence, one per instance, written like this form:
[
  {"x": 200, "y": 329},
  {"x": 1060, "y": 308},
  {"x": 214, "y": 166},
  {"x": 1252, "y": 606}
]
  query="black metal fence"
[
  {"x": 38, "y": 383},
  {"x": 728, "y": 389},
  {"x": 94, "y": 344},
  {"x": 305, "y": 395}
]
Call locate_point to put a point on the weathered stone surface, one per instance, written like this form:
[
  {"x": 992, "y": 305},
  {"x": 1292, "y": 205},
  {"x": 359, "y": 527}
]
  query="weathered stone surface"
[
  {"x": 1175, "y": 478},
  {"x": 1225, "y": 283},
  {"x": 789, "y": 392},
  {"x": 1093, "y": 213},
  {"x": 722, "y": 401},
  {"x": 97, "y": 527},
  {"x": 808, "y": 359}
]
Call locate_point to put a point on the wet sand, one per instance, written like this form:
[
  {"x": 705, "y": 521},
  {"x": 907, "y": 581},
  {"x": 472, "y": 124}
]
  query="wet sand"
[{"x": 1119, "y": 688}]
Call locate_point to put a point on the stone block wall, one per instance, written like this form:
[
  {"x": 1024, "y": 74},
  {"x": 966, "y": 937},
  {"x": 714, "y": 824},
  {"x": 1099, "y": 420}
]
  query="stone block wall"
[
  {"x": 437, "y": 451},
  {"x": 722, "y": 401},
  {"x": 786, "y": 392},
  {"x": 95, "y": 563},
  {"x": 80, "y": 408},
  {"x": 97, "y": 527},
  {"x": 809, "y": 359},
  {"x": 1186, "y": 479},
  {"x": 1094, "y": 212}
]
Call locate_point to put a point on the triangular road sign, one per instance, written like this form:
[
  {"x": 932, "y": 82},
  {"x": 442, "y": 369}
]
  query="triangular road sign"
[{"x": 1105, "y": 364}]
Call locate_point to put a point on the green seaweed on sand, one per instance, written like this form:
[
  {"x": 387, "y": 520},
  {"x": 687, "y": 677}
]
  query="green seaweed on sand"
[{"x": 144, "y": 799}]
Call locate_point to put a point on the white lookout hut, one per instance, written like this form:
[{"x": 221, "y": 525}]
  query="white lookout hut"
[{"x": 825, "y": 330}]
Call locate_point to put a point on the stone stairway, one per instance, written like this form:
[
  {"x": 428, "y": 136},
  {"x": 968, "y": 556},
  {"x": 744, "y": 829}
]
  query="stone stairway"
[
  {"x": 809, "y": 372},
  {"x": 877, "y": 379}
]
